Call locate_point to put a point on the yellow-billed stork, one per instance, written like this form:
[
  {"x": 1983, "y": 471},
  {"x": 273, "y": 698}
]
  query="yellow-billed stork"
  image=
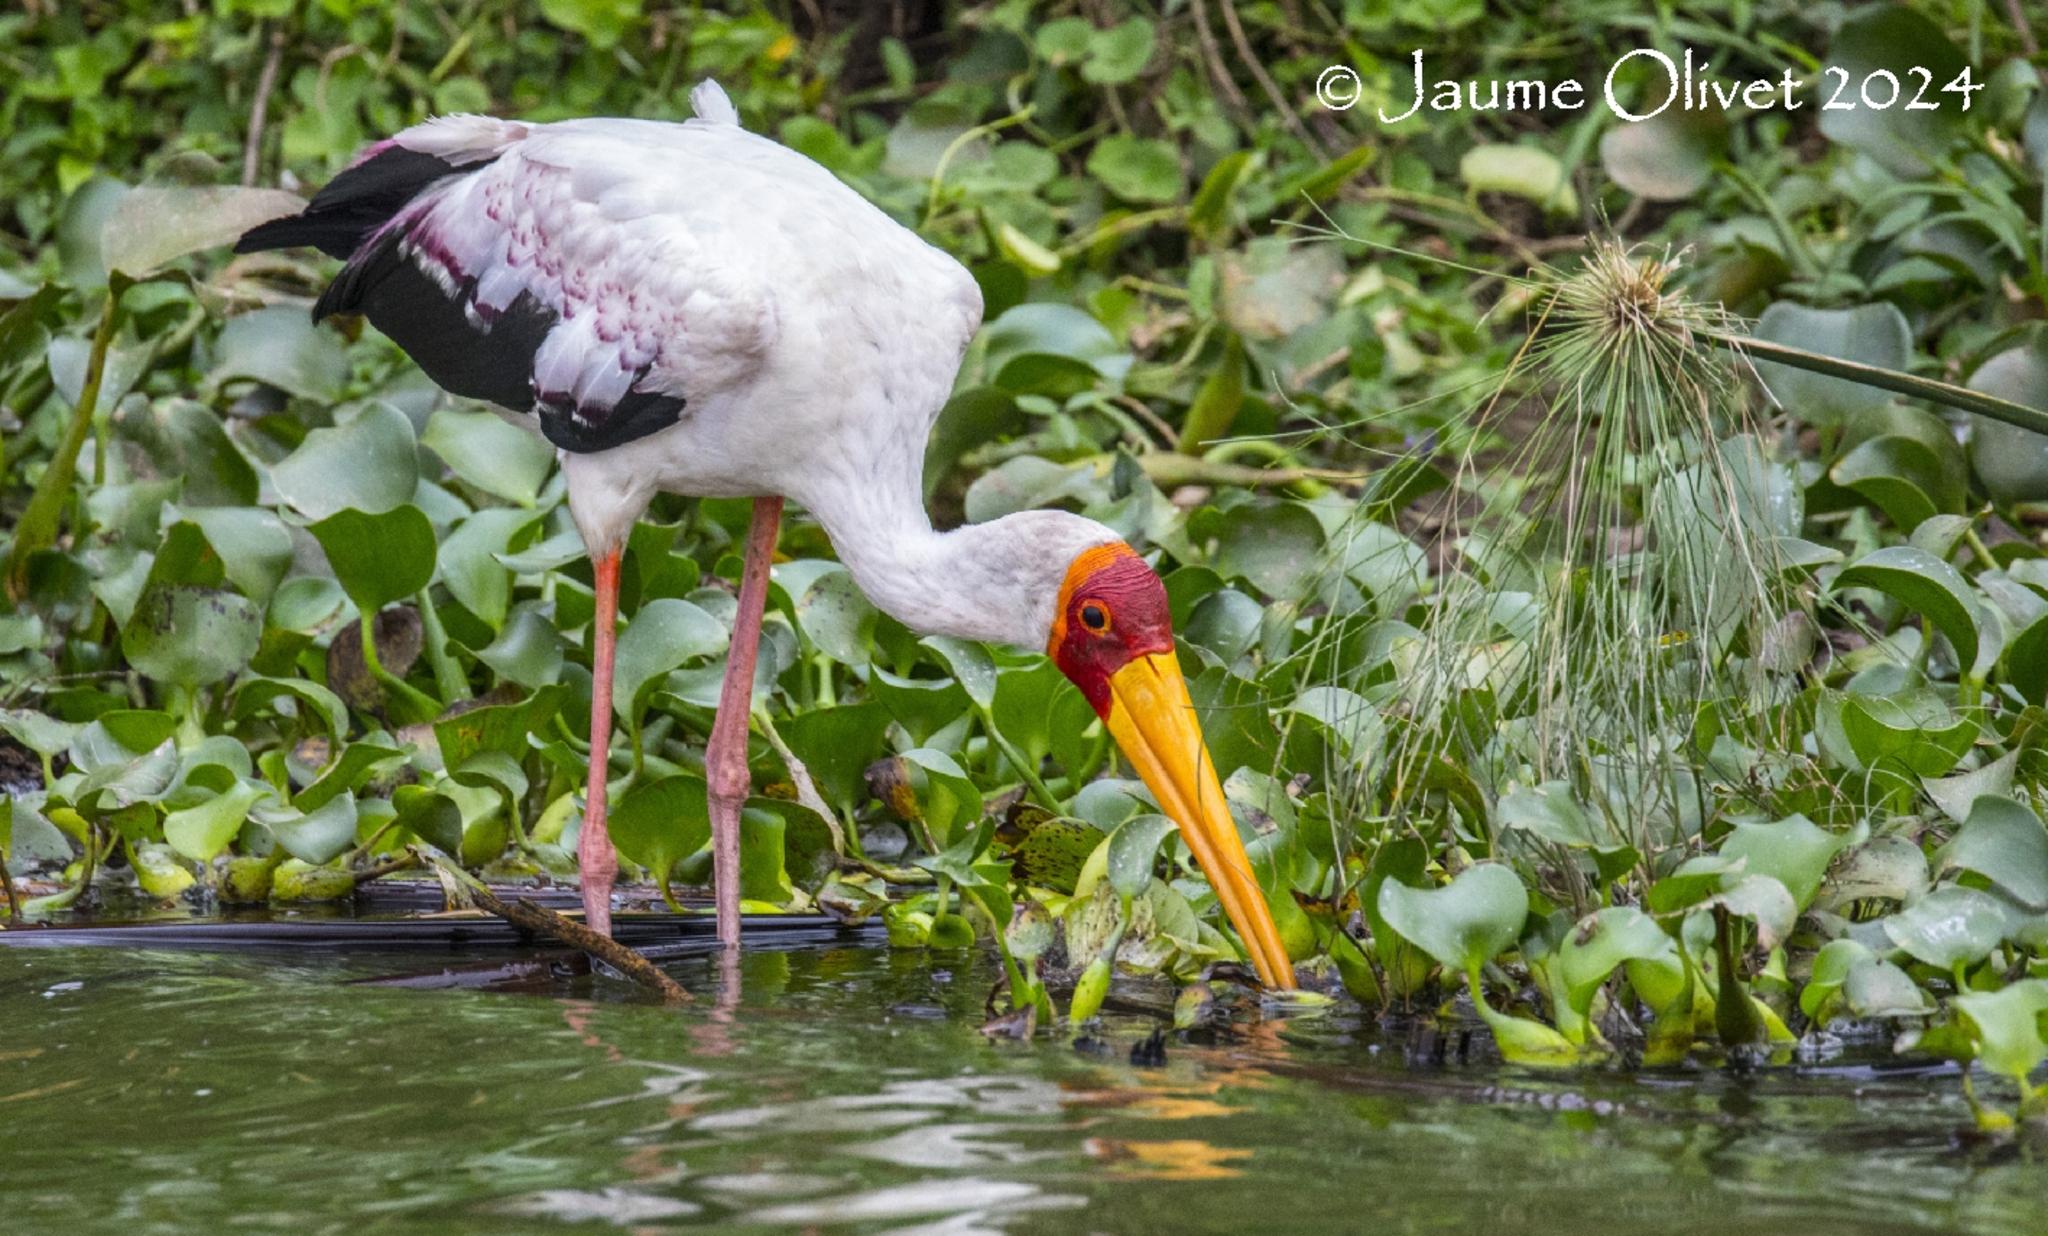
[{"x": 692, "y": 308}]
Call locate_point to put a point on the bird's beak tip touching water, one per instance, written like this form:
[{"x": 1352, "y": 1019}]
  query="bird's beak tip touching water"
[{"x": 1152, "y": 718}]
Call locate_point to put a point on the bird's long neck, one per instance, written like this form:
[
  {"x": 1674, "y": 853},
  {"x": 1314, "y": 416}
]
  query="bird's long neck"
[{"x": 980, "y": 581}]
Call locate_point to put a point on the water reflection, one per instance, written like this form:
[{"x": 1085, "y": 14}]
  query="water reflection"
[{"x": 849, "y": 1089}]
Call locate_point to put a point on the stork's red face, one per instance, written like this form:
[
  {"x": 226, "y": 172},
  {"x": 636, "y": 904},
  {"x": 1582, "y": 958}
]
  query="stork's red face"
[{"x": 1112, "y": 634}]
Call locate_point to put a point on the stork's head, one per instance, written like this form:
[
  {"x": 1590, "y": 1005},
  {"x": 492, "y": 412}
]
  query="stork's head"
[{"x": 1112, "y": 635}]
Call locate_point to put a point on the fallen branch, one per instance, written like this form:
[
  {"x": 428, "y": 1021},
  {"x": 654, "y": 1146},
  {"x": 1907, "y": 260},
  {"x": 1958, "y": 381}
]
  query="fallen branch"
[{"x": 540, "y": 920}]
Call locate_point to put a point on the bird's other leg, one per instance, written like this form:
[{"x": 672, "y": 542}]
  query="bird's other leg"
[
  {"x": 725, "y": 759},
  {"x": 594, "y": 856}
]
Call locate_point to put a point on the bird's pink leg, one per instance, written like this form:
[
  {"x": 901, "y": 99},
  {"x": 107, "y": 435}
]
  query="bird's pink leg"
[
  {"x": 725, "y": 758},
  {"x": 594, "y": 855}
]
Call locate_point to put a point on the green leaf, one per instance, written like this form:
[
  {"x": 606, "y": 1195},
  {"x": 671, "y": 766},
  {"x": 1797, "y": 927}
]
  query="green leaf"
[
  {"x": 1551, "y": 812},
  {"x": 1520, "y": 171},
  {"x": 378, "y": 558},
  {"x": 203, "y": 831},
  {"x": 971, "y": 665},
  {"x": 947, "y": 799},
  {"x": 1352, "y": 724},
  {"x": 151, "y": 225},
  {"x": 836, "y": 617},
  {"x": 367, "y": 463},
  {"x": 1906, "y": 479},
  {"x": 191, "y": 636},
  {"x": 1908, "y": 141},
  {"x": 2006, "y": 1026},
  {"x": 1794, "y": 851},
  {"x": 2012, "y": 462},
  {"x": 41, "y": 734},
  {"x": 1925, "y": 585},
  {"x": 315, "y": 836},
  {"x": 1602, "y": 942},
  {"x": 1667, "y": 158},
  {"x": 430, "y": 815},
  {"x": 1132, "y": 849},
  {"x": 490, "y": 453},
  {"x": 661, "y": 822},
  {"x": 2004, "y": 842},
  {"x": 280, "y": 346},
  {"x": 312, "y": 702},
  {"x": 1137, "y": 169},
  {"x": 470, "y": 563},
  {"x": 664, "y": 634},
  {"x": 528, "y": 650},
  {"x": 1464, "y": 924},
  {"x": 1118, "y": 54},
  {"x": 1275, "y": 547},
  {"x": 1869, "y": 334},
  {"x": 1949, "y": 927}
]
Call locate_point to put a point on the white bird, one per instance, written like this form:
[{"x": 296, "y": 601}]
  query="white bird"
[{"x": 695, "y": 309}]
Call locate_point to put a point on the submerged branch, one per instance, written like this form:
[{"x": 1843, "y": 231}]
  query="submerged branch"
[{"x": 543, "y": 921}]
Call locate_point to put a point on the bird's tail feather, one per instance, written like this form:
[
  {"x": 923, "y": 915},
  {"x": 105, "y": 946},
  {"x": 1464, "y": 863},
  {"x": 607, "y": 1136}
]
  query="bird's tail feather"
[{"x": 382, "y": 180}]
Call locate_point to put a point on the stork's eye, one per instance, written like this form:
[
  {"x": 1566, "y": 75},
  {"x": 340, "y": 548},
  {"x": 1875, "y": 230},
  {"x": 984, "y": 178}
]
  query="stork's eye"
[{"x": 1095, "y": 617}]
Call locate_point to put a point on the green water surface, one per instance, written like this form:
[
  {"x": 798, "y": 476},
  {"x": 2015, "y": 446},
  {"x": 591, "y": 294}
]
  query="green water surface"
[{"x": 848, "y": 1088}]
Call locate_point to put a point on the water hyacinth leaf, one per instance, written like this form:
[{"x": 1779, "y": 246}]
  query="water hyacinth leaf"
[
  {"x": 1463, "y": 924},
  {"x": 191, "y": 636},
  {"x": 42, "y": 734},
  {"x": 558, "y": 550},
  {"x": 1601, "y": 943},
  {"x": 368, "y": 463},
  {"x": 664, "y": 634},
  {"x": 280, "y": 346},
  {"x": 1913, "y": 730},
  {"x": 1051, "y": 349},
  {"x": 1908, "y": 141},
  {"x": 355, "y": 766},
  {"x": 201, "y": 832},
  {"x": 1132, "y": 849},
  {"x": 254, "y": 546},
  {"x": 1877, "y": 988},
  {"x": 185, "y": 439},
  {"x": 1053, "y": 853},
  {"x": 659, "y": 823},
  {"x": 1958, "y": 795},
  {"x": 497, "y": 727},
  {"x": 971, "y": 666},
  {"x": 2005, "y": 842},
  {"x": 490, "y": 453},
  {"x": 471, "y": 566},
  {"x": 315, "y": 836},
  {"x": 947, "y": 798},
  {"x": 1519, "y": 171},
  {"x": 305, "y": 603},
  {"x": 2010, "y": 461},
  {"x": 1906, "y": 479},
  {"x": 1275, "y": 547},
  {"x": 378, "y": 558},
  {"x": 1794, "y": 851},
  {"x": 157, "y": 869},
  {"x": 1868, "y": 334},
  {"x": 1137, "y": 169},
  {"x": 430, "y": 815},
  {"x": 1925, "y": 585},
  {"x": 151, "y": 225},
  {"x": 313, "y": 702},
  {"x": 837, "y": 618},
  {"x": 1352, "y": 724},
  {"x": 1765, "y": 901},
  {"x": 1949, "y": 927},
  {"x": 528, "y": 650},
  {"x": 1692, "y": 882},
  {"x": 2006, "y": 1026},
  {"x": 1549, "y": 811},
  {"x": 1831, "y": 967},
  {"x": 1668, "y": 157},
  {"x": 1027, "y": 482}
]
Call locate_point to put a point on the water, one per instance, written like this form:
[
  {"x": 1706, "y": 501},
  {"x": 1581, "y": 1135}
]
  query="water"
[{"x": 848, "y": 1088}]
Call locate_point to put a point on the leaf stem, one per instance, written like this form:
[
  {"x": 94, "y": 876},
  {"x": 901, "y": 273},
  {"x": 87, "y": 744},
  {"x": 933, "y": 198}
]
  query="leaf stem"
[
  {"x": 1945, "y": 393},
  {"x": 37, "y": 527}
]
